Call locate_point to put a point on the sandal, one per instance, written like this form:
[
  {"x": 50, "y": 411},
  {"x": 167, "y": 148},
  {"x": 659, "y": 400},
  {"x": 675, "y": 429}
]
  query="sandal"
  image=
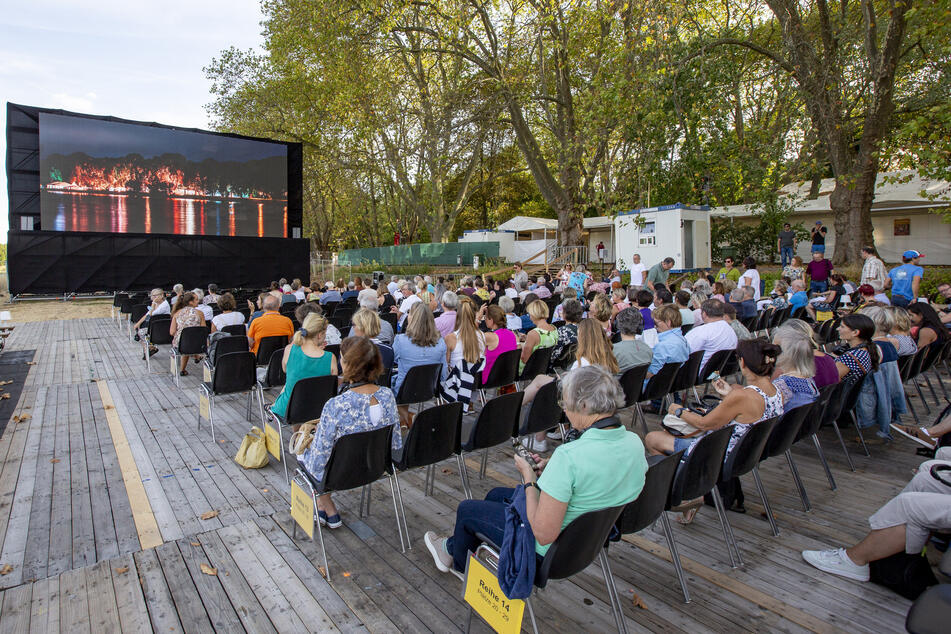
[
  {"x": 183, "y": 373},
  {"x": 688, "y": 516}
]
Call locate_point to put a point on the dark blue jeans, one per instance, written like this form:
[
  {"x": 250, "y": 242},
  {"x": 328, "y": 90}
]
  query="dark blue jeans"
[
  {"x": 478, "y": 516},
  {"x": 785, "y": 255},
  {"x": 900, "y": 300},
  {"x": 818, "y": 287}
]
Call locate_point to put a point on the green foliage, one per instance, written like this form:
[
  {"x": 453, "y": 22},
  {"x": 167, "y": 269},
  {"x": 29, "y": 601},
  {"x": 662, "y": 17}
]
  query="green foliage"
[{"x": 759, "y": 240}]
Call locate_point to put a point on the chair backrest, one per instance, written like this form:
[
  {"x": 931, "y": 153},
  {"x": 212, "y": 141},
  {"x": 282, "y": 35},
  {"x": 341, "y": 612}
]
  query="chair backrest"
[
  {"x": 434, "y": 436},
  {"x": 117, "y": 299},
  {"x": 700, "y": 469},
  {"x": 194, "y": 340},
  {"x": 275, "y": 375},
  {"x": 632, "y": 382},
  {"x": 543, "y": 412},
  {"x": 497, "y": 422},
  {"x": 159, "y": 330},
  {"x": 659, "y": 385},
  {"x": 714, "y": 364},
  {"x": 749, "y": 322},
  {"x": 836, "y": 401},
  {"x": 359, "y": 459},
  {"x": 905, "y": 364},
  {"x": 686, "y": 376},
  {"x": 786, "y": 431},
  {"x": 762, "y": 320},
  {"x": 577, "y": 545},
  {"x": 391, "y": 318},
  {"x": 224, "y": 345},
  {"x": 934, "y": 352},
  {"x": 309, "y": 397},
  {"x": 731, "y": 366},
  {"x": 504, "y": 371},
  {"x": 334, "y": 349},
  {"x": 125, "y": 306},
  {"x": 138, "y": 311},
  {"x": 288, "y": 309},
  {"x": 329, "y": 308},
  {"x": 566, "y": 358},
  {"x": 419, "y": 384},
  {"x": 268, "y": 345},
  {"x": 747, "y": 452},
  {"x": 648, "y": 506},
  {"x": 238, "y": 330},
  {"x": 536, "y": 364},
  {"x": 215, "y": 309},
  {"x": 813, "y": 421},
  {"x": 234, "y": 372},
  {"x": 344, "y": 312},
  {"x": 851, "y": 397}
]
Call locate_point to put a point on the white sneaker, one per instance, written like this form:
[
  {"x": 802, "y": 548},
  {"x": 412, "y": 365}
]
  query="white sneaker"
[
  {"x": 836, "y": 562},
  {"x": 437, "y": 548},
  {"x": 554, "y": 435},
  {"x": 539, "y": 446}
]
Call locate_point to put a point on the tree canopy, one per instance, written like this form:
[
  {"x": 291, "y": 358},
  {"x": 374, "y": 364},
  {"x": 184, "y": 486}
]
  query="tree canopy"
[{"x": 428, "y": 118}]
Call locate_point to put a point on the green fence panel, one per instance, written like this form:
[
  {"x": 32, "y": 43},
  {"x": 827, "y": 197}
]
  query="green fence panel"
[{"x": 435, "y": 254}]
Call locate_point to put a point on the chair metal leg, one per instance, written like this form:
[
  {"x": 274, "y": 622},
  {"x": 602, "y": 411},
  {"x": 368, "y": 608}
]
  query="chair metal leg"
[
  {"x": 855, "y": 421},
  {"x": 937, "y": 373},
  {"x": 485, "y": 463},
  {"x": 464, "y": 476},
  {"x": 835, "y": 426},
  {"x": 211, "y": 416},
  {"x": 766, "y": 507},
  {"x": 198, "y": 425},
  {"x": 931, "y": 387},
  {"x": 696, "y": 395},
  {"x": 825, "y": 463},
  {"x": 612, "y": 592},
  {"x": 640, "y": 414},
  {"x": 399, "y": 497},
  {"x": 320, "y": 536},
  {"x": 674, "y": 555},
  {"x": 735, "y": 561},
  {"x": 280, "y": 435},
  {"x": 396, "y": 512},
  {"x": 806, "y": 506},
  {"x": 250, "y": 398},
  {"x": 531, "y": 614},
  {"x": 922, "y": 396},
  {"x": 260, "y": 391}
]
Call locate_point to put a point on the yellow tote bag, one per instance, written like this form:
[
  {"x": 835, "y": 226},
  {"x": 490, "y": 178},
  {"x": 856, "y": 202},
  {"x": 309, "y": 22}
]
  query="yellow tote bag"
[{"x": 252, "y": 454}]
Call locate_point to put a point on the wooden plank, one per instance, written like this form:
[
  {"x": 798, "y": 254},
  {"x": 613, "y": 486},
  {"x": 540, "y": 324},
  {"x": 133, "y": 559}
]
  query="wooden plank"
[
  {"x": 215, "y": 600},
  {"x": 16, "y": 611},
  {"x": 40, "y": 608},
  {"x": 103, "y": 610},
  {"x": 82, "y": 528},
  {"x": 60, "y": 530},
  {"x": 183, "y": 590},
  {"x": 130, "y": 602},
  {"x": 155, "y": 589},
  {"x": 149, "y": 535},
  {"x": 245, "y": 603},
  {"x": 73, "y": 602}
]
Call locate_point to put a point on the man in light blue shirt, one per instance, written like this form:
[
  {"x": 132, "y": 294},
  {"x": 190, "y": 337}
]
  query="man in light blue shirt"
[
  {"x": 671, "y": 345},
  {"x": 799, "y": 297},
  {"x": 905, "y": 279}
]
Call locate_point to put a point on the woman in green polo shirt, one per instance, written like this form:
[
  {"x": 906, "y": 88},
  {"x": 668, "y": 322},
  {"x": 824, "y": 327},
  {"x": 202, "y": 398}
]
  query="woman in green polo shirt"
[{"x": 603, "y": 468}]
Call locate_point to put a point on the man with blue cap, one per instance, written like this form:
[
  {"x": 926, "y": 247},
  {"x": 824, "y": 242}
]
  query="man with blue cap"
[{"x": 905, "y": 279}]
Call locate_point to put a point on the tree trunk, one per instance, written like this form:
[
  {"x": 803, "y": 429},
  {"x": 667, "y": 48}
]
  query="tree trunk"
[
  {"x": 570, "y": 225},
  {"x": 851, "y": 202}
]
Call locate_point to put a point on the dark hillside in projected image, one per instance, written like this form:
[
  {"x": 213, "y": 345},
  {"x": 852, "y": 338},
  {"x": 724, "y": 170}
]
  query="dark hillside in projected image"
[{"x": 107, "y": 176}]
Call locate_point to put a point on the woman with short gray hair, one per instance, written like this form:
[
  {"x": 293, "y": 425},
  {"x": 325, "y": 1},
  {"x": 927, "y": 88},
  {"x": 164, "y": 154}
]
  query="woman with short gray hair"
[
  {"x": 795, "y": 368},
  {"x": 370, "y": 300},
  {"x": 631, "y": 351},
  {"x": 556, "y": 491}
]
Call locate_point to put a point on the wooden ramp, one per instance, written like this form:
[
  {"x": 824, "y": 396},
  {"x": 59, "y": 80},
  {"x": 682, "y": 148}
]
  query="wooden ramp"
[{"x": 116, "y": 513}]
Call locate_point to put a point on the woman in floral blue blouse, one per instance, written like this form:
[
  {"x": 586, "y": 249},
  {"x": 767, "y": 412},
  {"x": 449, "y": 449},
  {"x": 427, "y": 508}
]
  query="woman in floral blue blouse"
[{"x": 365, "y": 406}]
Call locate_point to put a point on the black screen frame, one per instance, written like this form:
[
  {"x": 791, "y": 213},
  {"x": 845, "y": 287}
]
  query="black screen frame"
[{"x": 50, "y": 262}]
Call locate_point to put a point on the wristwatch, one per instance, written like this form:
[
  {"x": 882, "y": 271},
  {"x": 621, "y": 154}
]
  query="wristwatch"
[{"x": 679, "y": 411}]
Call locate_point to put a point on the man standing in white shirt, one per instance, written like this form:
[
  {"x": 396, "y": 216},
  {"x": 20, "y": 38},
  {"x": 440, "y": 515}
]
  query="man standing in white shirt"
[
  {"x": 873, "y": 271},
  {"x": 714, "y": 334},
  {"x": 638, "y": 272}
]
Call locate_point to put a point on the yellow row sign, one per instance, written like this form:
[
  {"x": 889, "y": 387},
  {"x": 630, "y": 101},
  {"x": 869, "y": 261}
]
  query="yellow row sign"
[
  {"x": 302, "y": 508},
  {"x": 204, "y": 407},
  {"x": 206, "y": 374},
  {"x": 483, "y": 593},
  {"x": 273, "y": 440}
]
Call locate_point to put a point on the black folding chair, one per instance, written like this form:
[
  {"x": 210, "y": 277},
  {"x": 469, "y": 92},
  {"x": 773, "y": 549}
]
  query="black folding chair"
[
  {"x": 632, "y": 383},
  {"x": 650, "y": 505},
  {"x": 575, "y": 548},
  {"x": 781, "y": 440},
  {"x": 236, "y": 330},
  {"x": 686, "y": 377},
  {"x": 274, "y": 376},
  {"x": 698, "y": 474},
  {"x": 504, "y": 372},
  {"x": 125, "y": 308},
  {"x": 537, "y": 364},
  {"x": 434, "y": 437},
  {"x": 117, "y": 299},
  {"x": 224, "y": 345},
  {"x": 267, "y": 346},
  {"x": 305, "y": 404},
  {"x": 391, "y": 318},
  {"x": 356, "y": 460},
  {"x": 138, "y": 312},
  {"x": 158, "y": 334},
  {"x": 543, "y": 413},
  {"x": 658, "y": 386},
  {"x": 193, "y": 341},
  {"x": 744, "y": 459},
  {"x": 419, "y": 384},
  {"x": 715, "y": 363},
  {"x": 812, "y": 423},
  {"x": 234, "y": 374},
  {"x": 497, "y": 423}
]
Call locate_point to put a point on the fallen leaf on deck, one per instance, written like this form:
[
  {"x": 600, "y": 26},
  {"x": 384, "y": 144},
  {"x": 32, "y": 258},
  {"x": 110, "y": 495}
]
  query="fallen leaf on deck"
[
  {"x": 346, "y": 574},
  {"x": 208, "y": 570},
  {"x": 638, "y": 601},
  {"x": 122, "y": 570},
  {"x": 31, "y": 362},
  {"x": 320, "y": 569},
  {"x": 5, "y": 396},
  {"x": 109, "y": 407},
  {"x": 8, "y": 382},
  {"x": 447, "y": 471},
  {"x": 194, "y": 543},
  {"x": 54, "y": 460},
  {"x": 152, "y": 429},
  {"x": 265, "y": 490},
  {"x": 207, "y": 515},
  {"x": 7, "y": 569},
  {"x": 588, "y": 601}
]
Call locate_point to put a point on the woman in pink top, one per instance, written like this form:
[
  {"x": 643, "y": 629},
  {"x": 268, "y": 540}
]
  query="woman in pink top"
[{"x": 499, "y": 339}]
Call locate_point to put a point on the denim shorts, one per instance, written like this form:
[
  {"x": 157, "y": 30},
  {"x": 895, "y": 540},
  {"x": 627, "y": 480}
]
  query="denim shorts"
[{"x": 682, "y": 443}]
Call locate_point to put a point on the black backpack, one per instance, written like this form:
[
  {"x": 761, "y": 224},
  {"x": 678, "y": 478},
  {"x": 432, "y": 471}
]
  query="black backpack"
[{"x": 908, "y": 575}]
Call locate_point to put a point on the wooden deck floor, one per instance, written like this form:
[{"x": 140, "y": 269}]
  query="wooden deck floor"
[{"x": 104, "y": 450}]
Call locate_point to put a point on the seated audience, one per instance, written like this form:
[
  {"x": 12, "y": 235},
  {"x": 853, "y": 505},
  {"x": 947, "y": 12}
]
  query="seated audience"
[
  {"x": 350, "y": 292},
  {"x": 367, "y": 323},
  {"x": 882, "y": 400},
  {"x": 572, "y": 312},
  {"x": 527, "y": 324},
  {"x": 600, "y": 311},
  {"x": 185, "y": 315},
  {"x": 205, "y": 309},
  {"x": 368, "y": 299},
  {"x": 630, "y": 351},
  {"x": 671, "y": 347},
  {"x": 271, "y": 323},
  {"x": 465, "y": 347},
  {"x": 901, "y": 330},
  {"x": 364, "y": 407},
  {"x": 795, "y": 367},
  {"x": 645, "y": 303},
  {"x": 498, "y": 339},
  {"x": 212, "y": 297},
  {"x": 543, "y": 335},
  {"x": 177, "y": 291},
  {"x": 927, "y": 326},
  {"x": 304, "y": 358},
  {"x": 570, "y": 292},
  {"x": 300, "y": 313},
  {"x": 862, "y": 356},
  {"x": 229, "y": 316},
  {"x": 512, "y": 321},
  {"x": 446, "y": 322},
  {"x": 729, "y": 316},
  {"x": 420, "y": 344},
  {"x": 409, "y": 299},
  {"x": 714, "y": 334},
  {"x": 613, "y": 475},
  {"x": 799, "y": 297},
  {"x": 257, "y": 309},
  {"x": 158, "y": 306},
  {"x": 682, "y": 299},
  {"x": 331, "y": 294},
  {"x": 750, "y": 278}
]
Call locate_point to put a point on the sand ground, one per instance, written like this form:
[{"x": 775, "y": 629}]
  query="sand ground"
[{"x": 43, "y": 310}]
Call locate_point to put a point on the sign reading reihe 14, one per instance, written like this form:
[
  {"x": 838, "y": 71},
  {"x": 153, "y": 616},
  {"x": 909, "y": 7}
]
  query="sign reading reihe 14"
[{"x": 483, "y": 593}]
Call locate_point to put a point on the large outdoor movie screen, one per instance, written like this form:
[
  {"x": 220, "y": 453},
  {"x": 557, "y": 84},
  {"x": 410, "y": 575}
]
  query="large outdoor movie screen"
[{"x": 107, "y": 176}]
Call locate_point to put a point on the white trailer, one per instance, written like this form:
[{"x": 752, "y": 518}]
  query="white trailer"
[{"x": 678, "y": 231}]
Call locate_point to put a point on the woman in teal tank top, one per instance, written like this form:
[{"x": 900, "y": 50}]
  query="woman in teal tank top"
[{"x": 304, "y": 358}]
